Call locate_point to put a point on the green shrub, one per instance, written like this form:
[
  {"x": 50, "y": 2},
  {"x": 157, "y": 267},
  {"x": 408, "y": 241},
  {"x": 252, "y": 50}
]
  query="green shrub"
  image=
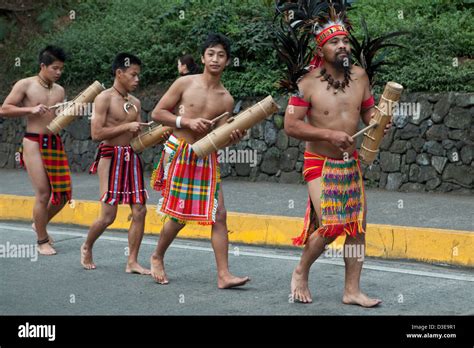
[
  {"x": 160, "y": 31},
  {"x": 5, "y": 28},
  {"x": 441, "y": 34}
]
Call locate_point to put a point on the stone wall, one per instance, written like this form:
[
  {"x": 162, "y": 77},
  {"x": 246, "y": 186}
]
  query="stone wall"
[
  {"x": 430, "y": 147},
  {"x": 430, "y": 152}
]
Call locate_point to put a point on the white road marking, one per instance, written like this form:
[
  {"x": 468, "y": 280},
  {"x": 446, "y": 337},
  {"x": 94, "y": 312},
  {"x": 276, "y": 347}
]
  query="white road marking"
[{"x": 177, "y": 245}]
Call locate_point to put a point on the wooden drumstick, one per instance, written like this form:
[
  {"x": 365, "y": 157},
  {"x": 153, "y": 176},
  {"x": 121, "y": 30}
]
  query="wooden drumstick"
[
  {"x": 214, "y": 120},
  {"x": 58, "y": 105},
  {"x": 363, "y": 130}
]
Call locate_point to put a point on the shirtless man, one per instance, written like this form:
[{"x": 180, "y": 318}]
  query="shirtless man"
[
  {"x": 31, "y": 97},
  {"x": 199, "y": 99},
  {"x": 116, "y": 120},
  {"x": 332, "y": 119}
]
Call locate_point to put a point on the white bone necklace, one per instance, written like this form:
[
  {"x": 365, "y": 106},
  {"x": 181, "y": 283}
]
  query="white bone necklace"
[{"x": 127, "y": 105}]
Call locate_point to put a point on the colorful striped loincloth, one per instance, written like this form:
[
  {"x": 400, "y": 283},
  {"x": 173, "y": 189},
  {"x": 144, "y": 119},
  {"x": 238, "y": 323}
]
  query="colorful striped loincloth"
[
  {"x": 342, "y": 197},
  {"x": 56, "y": 165},
  {"x": 126, "y": 185},
  {"x": 189, "y": 185}
]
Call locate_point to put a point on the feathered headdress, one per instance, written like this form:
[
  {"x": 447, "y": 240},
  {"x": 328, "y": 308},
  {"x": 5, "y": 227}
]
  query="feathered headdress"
[
  {"x": 293, "y": 36},
  {"x": 304, "y": 20},
  {"x": 335, "y": 17}
]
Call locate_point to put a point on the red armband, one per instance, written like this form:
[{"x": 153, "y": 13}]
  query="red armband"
[
  {"x": 367, "y": 104},
  {"x": 298, "y": 101}
]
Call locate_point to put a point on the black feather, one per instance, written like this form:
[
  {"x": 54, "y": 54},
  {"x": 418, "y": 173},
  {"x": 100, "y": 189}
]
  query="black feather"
[
  {"x": 293, "y": 49},
  {"x": 365, "y": 53},
  {"x": 293, "y": 37}
]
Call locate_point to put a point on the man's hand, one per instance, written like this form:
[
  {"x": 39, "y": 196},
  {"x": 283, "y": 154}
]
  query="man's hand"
[
  {"x": 39, "y": 110},
  {"x": 341, "y": 140},
  {"x": 167, "y": 135},
  {"x": 387, "y": 127},
  {"x": 134, "y": 127},
  {"x": 236, "y": 136},
  {"x": 198, "y": 125}
]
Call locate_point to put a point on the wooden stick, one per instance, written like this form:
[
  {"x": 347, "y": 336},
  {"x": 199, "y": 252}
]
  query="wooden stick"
[
  {"x": 363, "y": 130},
  {"x": 214, "y": 120},
  {"x": 58, "y": 105}
]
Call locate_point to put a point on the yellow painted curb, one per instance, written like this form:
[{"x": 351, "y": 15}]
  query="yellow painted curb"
[{"x": 384, "y": 241}]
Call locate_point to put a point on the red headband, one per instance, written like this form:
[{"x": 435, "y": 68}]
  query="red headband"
[{"x": 330, "y": 32}]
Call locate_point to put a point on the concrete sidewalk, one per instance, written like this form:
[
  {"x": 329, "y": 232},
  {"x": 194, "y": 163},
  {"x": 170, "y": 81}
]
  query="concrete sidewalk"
[
  {"x": 434, "y": 210},
  {"x": 435, "y": 228}
]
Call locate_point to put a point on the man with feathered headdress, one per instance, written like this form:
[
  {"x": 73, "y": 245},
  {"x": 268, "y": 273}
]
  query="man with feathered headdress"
[{"x": 329, "y": 98}]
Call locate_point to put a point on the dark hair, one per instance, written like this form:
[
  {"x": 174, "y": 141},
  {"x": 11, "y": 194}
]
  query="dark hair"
[
  {"x": 50, "y": 54},
  {"x": 214, "y": 39},
  {"x": 188, "y": 60},
  {"x": 123, "y": 61}
]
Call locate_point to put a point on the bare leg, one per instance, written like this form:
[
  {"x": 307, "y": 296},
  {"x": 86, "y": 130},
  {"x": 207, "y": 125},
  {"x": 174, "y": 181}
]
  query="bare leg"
[
  {"x": 106, "y": 218},
  {"x": 135, "y": 236},
  {"x": 354, "y": 253},
  {"x": 40, "y": 182},
  {"x": 314, "y": 247},
  {"x": 53, "y": 210},
  {"x": 168, "y": 234},
  {"x": 220, "y": 244}
]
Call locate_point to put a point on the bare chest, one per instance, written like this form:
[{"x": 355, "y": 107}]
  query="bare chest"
[
  {"x": 37, "y": 94},
  {"x": 117, "y": 115},
  {"x": 328, "y": 107},
  {"x": 201, "y": 103}
]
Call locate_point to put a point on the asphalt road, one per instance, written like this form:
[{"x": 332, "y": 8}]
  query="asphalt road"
[{"x": 59, "y": 286}]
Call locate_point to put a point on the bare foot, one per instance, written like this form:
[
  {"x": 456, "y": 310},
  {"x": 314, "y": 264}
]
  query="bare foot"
[
  {"x": 229, "y": 281},
  {"x": 86, "y": 258},
  {"x": 51, "y": 240},
  {"x": 158, "y": 270},
  {"x": 135, "y": 268},
  {"x": 46, "y": 249},
  {"x": 361, "y": 300},
  {"x": 299, "y": 287}
]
